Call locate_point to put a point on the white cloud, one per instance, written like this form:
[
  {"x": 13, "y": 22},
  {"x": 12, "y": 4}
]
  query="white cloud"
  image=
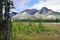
[
  {"x": 51, "y": 4},
  {"x": 20, "y": 4}
]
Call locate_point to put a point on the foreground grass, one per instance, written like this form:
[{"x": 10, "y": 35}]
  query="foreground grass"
[{"x": 31, "y": 31}]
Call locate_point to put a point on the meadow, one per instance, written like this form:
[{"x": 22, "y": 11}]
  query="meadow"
[{"x": 35, "y": 31}]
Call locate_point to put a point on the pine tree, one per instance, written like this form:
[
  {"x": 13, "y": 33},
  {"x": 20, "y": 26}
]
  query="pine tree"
[
  {"x": 5, "y": 23},
  {"x": 1, "y": 20}
]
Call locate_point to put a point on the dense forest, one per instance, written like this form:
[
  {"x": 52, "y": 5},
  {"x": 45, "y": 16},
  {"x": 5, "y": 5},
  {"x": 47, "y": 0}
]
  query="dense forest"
[{"x": 38, "y": 20}]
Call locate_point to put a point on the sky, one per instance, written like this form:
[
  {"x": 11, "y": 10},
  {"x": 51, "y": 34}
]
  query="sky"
[{"x": 21, "y": 5}]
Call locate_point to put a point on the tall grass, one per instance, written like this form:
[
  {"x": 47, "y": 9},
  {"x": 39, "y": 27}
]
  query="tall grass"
[
  {"x": 28, "y": 30},
  {"x": 31, "y": 28}
]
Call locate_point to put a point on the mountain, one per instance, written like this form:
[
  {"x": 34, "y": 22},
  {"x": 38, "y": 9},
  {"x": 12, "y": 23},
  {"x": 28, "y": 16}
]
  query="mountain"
[
  {"x": 44, "y": 10},
  {"x": 12, "y": 14},
  {"x": 34, "y": 14},
  {"x": 22, "y": 16},
  {"x": 31, "y": 11}
]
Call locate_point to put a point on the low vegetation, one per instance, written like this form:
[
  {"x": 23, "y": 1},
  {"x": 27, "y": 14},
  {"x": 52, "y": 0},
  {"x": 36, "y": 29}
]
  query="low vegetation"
[{"x": 29, "y": 30}]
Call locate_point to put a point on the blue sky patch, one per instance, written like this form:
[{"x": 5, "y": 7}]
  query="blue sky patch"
[{"x": 32, "y": 2}]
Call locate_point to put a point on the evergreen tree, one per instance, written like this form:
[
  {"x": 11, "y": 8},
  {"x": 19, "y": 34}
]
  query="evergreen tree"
[{"x": 5, "y": 23}]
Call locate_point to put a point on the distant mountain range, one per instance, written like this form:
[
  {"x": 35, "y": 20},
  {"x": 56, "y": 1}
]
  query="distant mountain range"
[
  {"x": 33, "y": 14},
  {"x": 12, "y": 14}
]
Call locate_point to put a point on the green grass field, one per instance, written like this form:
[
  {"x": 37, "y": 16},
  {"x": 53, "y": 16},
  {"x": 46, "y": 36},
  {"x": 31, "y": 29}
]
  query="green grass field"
[{"x": 35, "y": 31}]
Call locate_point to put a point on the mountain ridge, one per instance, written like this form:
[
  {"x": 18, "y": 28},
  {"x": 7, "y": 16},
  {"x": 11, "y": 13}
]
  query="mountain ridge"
[{"x": 33, "y": 14}]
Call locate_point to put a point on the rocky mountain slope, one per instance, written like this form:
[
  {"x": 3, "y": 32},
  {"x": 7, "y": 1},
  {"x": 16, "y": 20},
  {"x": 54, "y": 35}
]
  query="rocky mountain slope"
[{"x": 33, "y": 14}]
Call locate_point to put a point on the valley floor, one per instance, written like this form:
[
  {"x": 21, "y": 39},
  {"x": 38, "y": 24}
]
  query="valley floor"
[{"x": 35, "y": 31}]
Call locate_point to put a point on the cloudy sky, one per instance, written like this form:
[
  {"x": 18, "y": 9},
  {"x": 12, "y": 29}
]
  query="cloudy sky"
[{"x": 36, "y": 4}]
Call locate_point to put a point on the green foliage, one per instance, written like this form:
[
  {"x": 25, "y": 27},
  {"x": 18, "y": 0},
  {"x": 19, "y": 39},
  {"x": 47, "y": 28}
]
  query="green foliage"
[
  {"x": 41, "y": 27},
  {"x": 38, "y": 20},
  {"x": 30, "y": 28},
  {"x": 24, "y": 31}
]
